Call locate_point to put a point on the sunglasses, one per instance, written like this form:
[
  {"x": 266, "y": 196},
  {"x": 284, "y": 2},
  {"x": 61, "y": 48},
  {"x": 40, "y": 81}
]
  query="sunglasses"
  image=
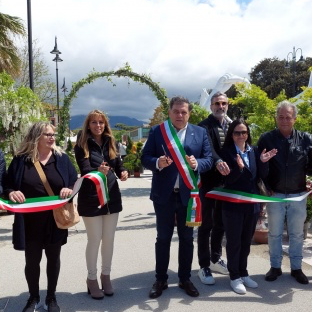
[
  {"x": 238, "y": 133},
  {"x": 221, "y": 103}
]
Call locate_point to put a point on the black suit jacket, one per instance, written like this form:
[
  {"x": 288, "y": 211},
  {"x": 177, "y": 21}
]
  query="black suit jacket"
[
  {"x": 245, "y": 180},
  {"x": 196, "y": 143}
]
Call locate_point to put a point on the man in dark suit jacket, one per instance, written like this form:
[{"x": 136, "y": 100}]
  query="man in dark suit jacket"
[{"x": 170, "y": 195}]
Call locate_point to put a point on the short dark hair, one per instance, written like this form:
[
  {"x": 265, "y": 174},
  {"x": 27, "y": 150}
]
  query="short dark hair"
[
  {"x": 217, "y": 94},
  {"x": 229, "y": 136},
  {"x": 180, "y": 100}
]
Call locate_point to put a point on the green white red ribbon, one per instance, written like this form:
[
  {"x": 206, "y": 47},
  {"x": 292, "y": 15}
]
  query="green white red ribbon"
[
  {"x": 52, "y": 202},
  {"x": 247, "y": 198},
  {"x": 191, "y": 180}
]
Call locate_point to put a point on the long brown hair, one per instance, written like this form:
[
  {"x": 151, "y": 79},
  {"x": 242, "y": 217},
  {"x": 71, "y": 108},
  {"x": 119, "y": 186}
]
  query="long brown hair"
[{"x": 86, "y": 133}]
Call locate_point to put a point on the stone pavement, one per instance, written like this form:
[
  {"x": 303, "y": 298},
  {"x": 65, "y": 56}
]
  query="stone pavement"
[{"x": 133, "y": 271}]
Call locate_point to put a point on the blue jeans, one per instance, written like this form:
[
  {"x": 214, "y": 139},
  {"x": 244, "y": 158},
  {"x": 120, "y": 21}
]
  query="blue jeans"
[
  {"x": 165, "y": 218},
  {"x": 295, "y": 213}
]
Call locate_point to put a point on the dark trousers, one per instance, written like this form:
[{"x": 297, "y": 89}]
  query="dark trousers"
[
  {"x": 210, "y": 233},
  {"x": 239, "y": 225},
  {"x": 165, "y": 218},
  {"x": 33, "y": 255}
]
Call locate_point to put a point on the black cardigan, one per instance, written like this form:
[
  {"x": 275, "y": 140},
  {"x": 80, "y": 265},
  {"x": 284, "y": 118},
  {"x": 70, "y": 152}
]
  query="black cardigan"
[
  {"x": 13, "y": 182},
  {"x": 88, "y": 202}
]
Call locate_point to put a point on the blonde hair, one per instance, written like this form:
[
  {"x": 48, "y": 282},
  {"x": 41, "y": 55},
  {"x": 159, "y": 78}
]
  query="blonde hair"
[
  {"x": 29, "y": 146},
  {"x": 86, "y": 133}
]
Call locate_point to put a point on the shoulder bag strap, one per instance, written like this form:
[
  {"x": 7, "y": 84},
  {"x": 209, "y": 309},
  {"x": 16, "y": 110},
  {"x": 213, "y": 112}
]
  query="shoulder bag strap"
[{"x": 43, "y": 178}]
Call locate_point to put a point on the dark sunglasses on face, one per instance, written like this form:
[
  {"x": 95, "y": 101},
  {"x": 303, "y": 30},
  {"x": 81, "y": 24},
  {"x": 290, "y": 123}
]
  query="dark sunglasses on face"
[
  {"x": 221, "y": 103},
  {"x": 238, "y": 133}
]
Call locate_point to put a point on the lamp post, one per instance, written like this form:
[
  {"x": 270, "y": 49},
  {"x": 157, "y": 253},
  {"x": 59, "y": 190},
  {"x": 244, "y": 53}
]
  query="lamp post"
[
  {"x": 30, "y": 51},
  {"x": 64, "y": 90},
  {"x": 56, "y": 60},
  {"x": 293, "y": 58}
]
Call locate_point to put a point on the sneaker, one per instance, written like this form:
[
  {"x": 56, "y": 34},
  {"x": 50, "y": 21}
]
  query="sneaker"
[
  {"x": 249, "y": 282},
  {"x": 33, "y": 303},
  {"x": 51, "y": 305},
  {"x": 205, "y": 276},
  {"x": 219, "y": 267},
  {"x": 238, "y": 286}
]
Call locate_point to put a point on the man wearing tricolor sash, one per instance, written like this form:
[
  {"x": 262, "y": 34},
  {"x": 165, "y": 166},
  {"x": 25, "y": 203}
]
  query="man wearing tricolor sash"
[{"x": 177, "y": 152}]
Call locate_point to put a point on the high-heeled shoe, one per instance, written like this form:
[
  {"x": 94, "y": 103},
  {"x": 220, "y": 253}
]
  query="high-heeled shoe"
[
  {"x": 107, "y": 285},
  {"x": 94, "y": 289}
]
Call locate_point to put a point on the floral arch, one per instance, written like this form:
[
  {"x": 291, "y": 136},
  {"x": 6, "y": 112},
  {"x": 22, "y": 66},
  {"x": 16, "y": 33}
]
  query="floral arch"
[{"x": 125, "y": 71}]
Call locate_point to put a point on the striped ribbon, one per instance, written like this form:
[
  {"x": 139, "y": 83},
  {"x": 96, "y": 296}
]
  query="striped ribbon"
[
  {"x": 247, "y": 198},
  {"x": 52, "y": 202},
  {"x": 191, "y": 180}
]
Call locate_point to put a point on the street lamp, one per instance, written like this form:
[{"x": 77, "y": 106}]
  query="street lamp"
[
  {"x": 294, "y": 60},
  {"x": 56, "y": 60},
  {"x": 30, "y": 51},
  {"x": 64, "y": 89}
]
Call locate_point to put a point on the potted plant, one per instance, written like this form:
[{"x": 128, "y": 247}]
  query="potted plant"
[
  {"x": 139, "y": 147},
  {"x": 261, "y": 234},
  {"x": 132, "y": 163}
]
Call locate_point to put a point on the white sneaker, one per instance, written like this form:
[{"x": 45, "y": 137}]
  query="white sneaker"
[
  {"x": 205, "y": 276},
  {"x": 249, "y": 282},
  {"x": 219, "y": 267},
  {"x": 238, "y": 286}
]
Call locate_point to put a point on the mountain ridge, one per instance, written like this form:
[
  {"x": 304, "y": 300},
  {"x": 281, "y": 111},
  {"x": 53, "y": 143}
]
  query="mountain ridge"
[{"x": 78, "y": 120}]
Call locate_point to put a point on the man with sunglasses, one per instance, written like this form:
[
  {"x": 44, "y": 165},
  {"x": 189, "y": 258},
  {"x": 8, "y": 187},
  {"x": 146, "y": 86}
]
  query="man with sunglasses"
[
  {"x": 287, "y": 179},
  {"x": 210, "y": 233}
]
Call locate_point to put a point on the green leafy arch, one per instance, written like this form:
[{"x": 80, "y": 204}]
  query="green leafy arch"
[{"x": 125, "y": 71}]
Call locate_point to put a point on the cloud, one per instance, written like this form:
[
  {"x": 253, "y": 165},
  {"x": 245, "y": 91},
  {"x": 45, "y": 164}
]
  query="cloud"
[{"x": 185, "y": 45}]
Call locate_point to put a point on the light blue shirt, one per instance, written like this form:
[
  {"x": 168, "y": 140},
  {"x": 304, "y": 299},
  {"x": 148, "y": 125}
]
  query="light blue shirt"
[{"x": 244, "y": 155}]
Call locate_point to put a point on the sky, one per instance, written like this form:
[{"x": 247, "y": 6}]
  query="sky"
[{"x": 184, "y": 45}]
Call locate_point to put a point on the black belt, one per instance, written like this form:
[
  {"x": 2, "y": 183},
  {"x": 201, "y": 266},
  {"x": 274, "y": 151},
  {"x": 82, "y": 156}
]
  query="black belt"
[{"x": 176, "y": 190}]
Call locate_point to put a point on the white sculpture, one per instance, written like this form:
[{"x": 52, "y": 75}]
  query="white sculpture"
[
  {"x": 223, "y": 84},
  {"x": 310, "y": 81},
  {"x": 300, "y": 94}
]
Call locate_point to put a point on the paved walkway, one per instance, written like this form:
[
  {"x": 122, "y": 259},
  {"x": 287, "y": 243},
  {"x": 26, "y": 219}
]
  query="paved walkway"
[{"x": 133, "y": 271}]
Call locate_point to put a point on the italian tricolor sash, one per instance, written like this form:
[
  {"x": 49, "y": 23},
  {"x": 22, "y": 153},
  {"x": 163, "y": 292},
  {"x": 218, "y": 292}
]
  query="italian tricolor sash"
[
  {"x": 191, "y": 180},
  {"x": 247, "y": 198},
  {"x": 53, "y": 202}
]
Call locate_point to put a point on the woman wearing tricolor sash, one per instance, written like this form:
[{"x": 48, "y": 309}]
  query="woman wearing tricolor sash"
[
  {"x": 246, "y": 165},
  {"x": 37, "y": 231},
  {"x": 96, "y": 151}
]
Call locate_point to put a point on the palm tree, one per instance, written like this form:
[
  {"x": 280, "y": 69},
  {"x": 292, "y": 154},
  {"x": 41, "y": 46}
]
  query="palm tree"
[{"x": 10, "y": 26}]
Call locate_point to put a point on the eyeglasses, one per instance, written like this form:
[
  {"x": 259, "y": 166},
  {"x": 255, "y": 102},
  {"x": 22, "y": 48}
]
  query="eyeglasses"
[
  {"x": 221, "y": 103},
  {"x": 50, "y": 135},
  {"x": 238, "y": 133}
]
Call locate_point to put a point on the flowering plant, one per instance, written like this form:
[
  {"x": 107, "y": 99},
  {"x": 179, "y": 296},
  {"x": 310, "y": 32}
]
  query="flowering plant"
[{"x": 309, "y": 199}]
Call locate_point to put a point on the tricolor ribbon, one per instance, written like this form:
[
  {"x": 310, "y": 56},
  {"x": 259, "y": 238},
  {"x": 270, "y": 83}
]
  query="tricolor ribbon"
[
  {"x": 191, "y": 180},
  {"x": 247, "y": 198},
  {"x": 52, "y": 202}
]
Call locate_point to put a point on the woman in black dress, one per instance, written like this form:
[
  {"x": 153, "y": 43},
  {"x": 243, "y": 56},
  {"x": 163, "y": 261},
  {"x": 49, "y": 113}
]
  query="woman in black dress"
[
  {"x": 36, "y": 231},
  {"x": 246, "y": 165}
]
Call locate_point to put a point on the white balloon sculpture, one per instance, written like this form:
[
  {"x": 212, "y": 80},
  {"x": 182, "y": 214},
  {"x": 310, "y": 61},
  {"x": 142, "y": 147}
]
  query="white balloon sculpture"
[{"x": 223, "y": 84}]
